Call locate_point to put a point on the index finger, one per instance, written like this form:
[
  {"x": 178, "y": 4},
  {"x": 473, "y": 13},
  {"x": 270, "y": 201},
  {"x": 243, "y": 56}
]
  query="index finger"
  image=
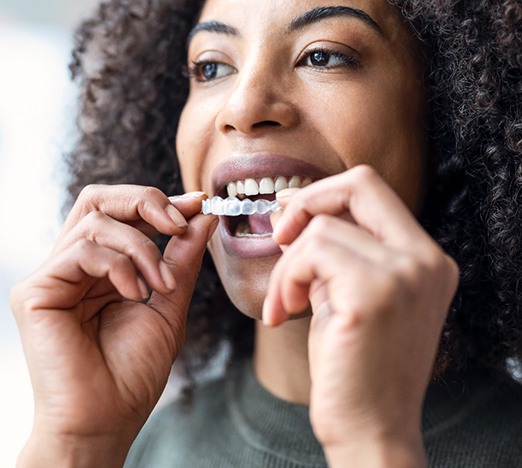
[
  {"x": 359, "y": 193},
  {"x": 146, "y": 208}
]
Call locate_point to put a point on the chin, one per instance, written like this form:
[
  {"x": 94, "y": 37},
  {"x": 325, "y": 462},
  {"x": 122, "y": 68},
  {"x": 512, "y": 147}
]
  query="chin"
[{"x": 245, "y": 280}]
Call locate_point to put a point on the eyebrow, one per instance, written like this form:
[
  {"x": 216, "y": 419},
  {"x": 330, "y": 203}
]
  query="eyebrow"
[
  {"x": 321, "y": 13},
  {"x": 306, "y": 19},
  {"x": 212, "y": 26}
]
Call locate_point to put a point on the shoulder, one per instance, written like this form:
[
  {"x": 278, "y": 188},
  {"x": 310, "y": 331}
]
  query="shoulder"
[{"x": 479, "y": 427}]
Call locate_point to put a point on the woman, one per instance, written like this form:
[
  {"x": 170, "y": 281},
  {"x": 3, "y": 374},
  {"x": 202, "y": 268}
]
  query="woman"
[{"x": 399, "y": 115}]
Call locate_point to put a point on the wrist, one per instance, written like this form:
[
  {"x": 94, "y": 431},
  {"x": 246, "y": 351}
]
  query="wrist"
[
  {"x": 59, "y": 451},
  {"x": 389, "y": 452}
]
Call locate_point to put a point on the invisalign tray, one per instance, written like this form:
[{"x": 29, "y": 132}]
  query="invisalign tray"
[{"x": 233, "y": 206}]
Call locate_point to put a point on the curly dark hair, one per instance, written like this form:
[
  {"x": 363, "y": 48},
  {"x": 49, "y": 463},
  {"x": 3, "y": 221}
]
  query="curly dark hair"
[{"x": 129, "y": 59}]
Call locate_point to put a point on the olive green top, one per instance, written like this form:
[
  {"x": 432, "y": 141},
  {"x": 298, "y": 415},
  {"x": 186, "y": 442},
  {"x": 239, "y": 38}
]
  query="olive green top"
[{"x": 235, "y": 422}]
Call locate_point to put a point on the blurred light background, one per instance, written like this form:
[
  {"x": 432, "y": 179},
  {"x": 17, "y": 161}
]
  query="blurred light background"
[{"x": 37, "y": 125}]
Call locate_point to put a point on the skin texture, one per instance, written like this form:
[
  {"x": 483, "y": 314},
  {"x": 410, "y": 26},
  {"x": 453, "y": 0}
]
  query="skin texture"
[
  {"x": 471, "y": 64},
  {"x": 268, "y": 100},
  {"x": 81, "y": 326},
  {"x": 379, "y": 289},
  {"x": 272, "y": 102},
  {"x": 376, "y": 285}
]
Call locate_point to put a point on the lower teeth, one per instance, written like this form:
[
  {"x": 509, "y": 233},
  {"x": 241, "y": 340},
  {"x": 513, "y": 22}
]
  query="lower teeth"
[{"x": 243, "y": 230}]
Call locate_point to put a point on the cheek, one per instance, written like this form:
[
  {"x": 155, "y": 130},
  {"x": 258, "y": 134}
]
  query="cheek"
[
  {"x": 191, "y": 148},
  {"x": 182, "y": 149},
  {"x": 386, "y": 131}
]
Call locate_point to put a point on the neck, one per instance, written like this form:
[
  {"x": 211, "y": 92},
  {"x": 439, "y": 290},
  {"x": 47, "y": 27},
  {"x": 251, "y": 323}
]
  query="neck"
[{"x": 281, "y": 360}]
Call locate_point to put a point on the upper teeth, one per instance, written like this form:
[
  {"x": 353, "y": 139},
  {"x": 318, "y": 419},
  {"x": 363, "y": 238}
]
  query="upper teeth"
[{"x": 266, "y": 185}]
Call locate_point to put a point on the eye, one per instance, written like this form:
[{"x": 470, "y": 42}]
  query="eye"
[
  {"x": 323, "y": 58},
  {"x": 206, "y": 70}
]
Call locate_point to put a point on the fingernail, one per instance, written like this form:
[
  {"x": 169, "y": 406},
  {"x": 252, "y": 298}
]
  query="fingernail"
[
  {"x": 265, "y": 316},
  {"x": 286, "y": 194},
  {"x": 212, "y": 229},
  {"x": 167, "y": 276},
  {"x": 276, "y": 234},
  {"x": 143, "y": 288},
  {"x": 188, "y": 195},
  {"x": 177, "y": 217}
]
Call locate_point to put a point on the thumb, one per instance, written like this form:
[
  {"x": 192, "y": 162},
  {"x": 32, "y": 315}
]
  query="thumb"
[{"x": 184, "y": 255}]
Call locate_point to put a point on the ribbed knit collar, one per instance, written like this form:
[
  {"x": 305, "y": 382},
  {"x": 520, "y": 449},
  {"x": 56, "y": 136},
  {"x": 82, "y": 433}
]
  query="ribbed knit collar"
[
  {"x": 452, "y": 400},
  {"x": 283, "y": 429},
  {"x": 270, "y": 424}
]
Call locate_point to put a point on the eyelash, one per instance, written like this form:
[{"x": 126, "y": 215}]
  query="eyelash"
[
  {"x": 346, "y": 60},
  {"x": 194, "y": 71}
]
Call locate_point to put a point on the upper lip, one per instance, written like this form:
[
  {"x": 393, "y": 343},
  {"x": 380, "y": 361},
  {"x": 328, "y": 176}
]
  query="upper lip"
[{"x": 261, "y": 165}]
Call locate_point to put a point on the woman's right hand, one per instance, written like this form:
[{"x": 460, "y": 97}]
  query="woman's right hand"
[{"x": 99, "y": 349}]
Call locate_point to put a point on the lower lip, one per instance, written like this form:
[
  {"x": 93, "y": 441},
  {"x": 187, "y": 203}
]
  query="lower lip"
[{"x": 248, "y": 246}]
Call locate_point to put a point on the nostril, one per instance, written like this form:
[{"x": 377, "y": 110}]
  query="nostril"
[
  {"x": 257, "y": 125},
  {"x": 267, "y": 123}
]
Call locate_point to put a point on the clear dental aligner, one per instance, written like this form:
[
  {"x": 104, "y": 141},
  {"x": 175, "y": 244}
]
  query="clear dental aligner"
[
  {"x": 233, "y": 206},
  {"x": 237, "y": 204}
]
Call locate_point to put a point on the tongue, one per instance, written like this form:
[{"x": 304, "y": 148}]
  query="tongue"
[{"x": 260, "y": 224}]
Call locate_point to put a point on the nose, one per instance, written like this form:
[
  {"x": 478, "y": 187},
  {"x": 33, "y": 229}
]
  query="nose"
[{"x": 256, "y": 101}]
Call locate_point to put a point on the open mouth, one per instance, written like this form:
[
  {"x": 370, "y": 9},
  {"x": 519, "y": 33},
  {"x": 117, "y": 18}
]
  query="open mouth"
[{"x": 265, "y": 188}]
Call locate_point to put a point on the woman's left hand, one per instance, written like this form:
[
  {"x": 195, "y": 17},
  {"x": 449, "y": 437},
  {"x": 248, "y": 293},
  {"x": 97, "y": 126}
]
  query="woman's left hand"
[{"x": 379, "y": 289}]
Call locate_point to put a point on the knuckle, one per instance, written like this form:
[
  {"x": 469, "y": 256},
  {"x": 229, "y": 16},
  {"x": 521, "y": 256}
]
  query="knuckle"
[
  {"x": 149, "y": 190},
  {"x": 313, "y": 237},
  {"x": 452, "y": 270},
  {"x": 450, "y": 264},
  {"x": 319, "y": 225},
  {"x": 360, "y": 312},
  {"x": 409, "y": 268},
  {"x": 22, "y": 298},
  {"x": 16, "y": 296},
  {"x": 356, "y": 312},
  {"x": 437, "y": 261},
  {"x": 87, "y": 201},
  {"x": 140, "y": 246},
  {"x": 84, "y": 246},
  {"x": 148, "y": 199},
  {"x": 120, "y": 262},
  {"x": 433, "y": 267},
  {"x": 90, "y": 224},
  {"x": 386, "y": 290},
  {"x": 388, "y": 283},
  {"x": 89, "y": 192},
  {"x": 362, "y": 174},
  {"x": 385, "y": 286},
  {"x": 24, "y": 305},
  {"x": 150, "y": 193},
  {"x": 298, "y": 204},
  {"x": 149, "y": 245},
  {"x": 433, "y": 259},
  {"x": 94, "y": 217}
]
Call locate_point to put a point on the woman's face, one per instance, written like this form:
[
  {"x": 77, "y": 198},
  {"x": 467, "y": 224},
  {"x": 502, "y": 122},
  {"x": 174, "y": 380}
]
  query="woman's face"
[{"x": 300, "y": 90}]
